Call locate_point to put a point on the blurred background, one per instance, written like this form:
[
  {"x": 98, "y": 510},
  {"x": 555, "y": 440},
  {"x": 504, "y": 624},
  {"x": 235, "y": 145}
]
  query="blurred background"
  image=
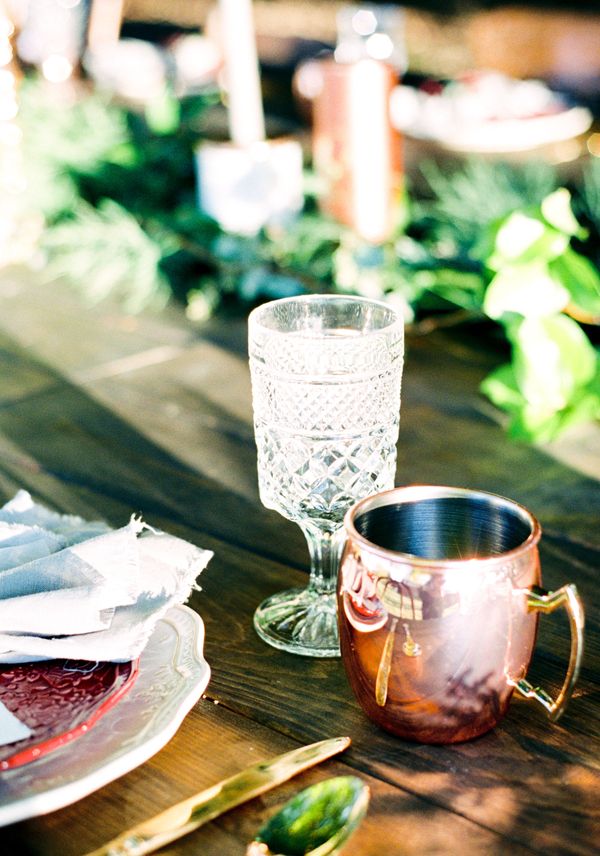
[
  {"x": 559, "y": 42},
  {"x": 216, "y": 153}
]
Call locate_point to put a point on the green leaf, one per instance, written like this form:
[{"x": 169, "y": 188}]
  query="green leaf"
[
  {"x": 527, "y": 289},
  {"x": 556, "y": 209},
  {"x": 73, "y": 134},
  {"x": 460, "y": 287},
  {"x": 306, "y": 245},
  {"x": 517, "y": 234},
  {"x": 202, "y": 302},
  {"x": 163, "y": 113},
  {"x": 584, "y": 408},
  {"x": 534, "y": 426},
  {"x": 589, "y": 192},
  {"x": 524, "y": 238},
  {"x": 500, "y": 386},
  {"x": 552, "y": 358},
  {"x": 582, "y": 280},
  {"x": 535, "y": 421}
]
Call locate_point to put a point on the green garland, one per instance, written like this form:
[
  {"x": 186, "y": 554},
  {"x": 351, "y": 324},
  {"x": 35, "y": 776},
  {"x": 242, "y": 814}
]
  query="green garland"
[{"x": 117, "y": 194}]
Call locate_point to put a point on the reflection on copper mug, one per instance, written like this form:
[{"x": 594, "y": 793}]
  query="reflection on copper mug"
[{"x": 438, "y": 601}]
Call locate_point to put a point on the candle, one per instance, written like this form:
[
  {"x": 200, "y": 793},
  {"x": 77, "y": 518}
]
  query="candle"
[
  {"x": 245, "y": 110},
  {"x": 105, "y": 22},
  {"x": 357, "y": 152}
]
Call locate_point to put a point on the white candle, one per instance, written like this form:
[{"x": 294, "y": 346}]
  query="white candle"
[{"x": 245, "y": 109}]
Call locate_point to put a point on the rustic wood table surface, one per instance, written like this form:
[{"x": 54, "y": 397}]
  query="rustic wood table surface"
[{"x": 104, "y": 415}]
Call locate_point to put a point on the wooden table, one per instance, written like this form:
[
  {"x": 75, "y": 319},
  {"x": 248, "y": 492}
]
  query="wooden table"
[{"x": 104, "y": 415}]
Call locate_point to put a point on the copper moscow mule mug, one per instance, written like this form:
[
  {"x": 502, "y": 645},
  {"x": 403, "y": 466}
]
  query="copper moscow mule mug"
[{"x": 438, "y": 600}]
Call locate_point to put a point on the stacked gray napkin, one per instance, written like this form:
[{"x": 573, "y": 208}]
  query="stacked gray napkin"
[{"x": 70, "y": 588}]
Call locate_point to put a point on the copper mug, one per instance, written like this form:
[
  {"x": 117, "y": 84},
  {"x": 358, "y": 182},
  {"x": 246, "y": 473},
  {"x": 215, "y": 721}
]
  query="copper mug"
[{"x": 438, "y": 601}]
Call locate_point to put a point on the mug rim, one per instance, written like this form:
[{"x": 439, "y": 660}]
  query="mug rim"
[{"x": 416, "y": 492}]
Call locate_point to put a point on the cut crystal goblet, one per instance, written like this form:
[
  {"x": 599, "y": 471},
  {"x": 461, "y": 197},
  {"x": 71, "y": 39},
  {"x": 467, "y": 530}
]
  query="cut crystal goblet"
[{"x": 326, "y": 374}]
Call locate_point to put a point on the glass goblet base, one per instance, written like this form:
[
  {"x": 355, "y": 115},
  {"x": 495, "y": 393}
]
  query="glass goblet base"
[{"x": 300, "y": 621}]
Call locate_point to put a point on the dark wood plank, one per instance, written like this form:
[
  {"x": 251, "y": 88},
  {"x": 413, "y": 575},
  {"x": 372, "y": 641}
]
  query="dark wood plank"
[
  {"x": 528, "y": 775},
  {"x": 528, "y": 780},
  {"x": 21, "y": 378},
  {"x": 182, "y": 407},
  {"x": 189, "y": 763},
  {"x": 55, "y": 323},
  {"x": 78, "y": 441},
  {"x": 171, "y": 438},
  {"x": 201, "y": 412}
]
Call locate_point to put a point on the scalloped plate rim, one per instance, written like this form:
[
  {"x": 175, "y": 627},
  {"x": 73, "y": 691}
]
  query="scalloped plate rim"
[{"x": 122, "y": 762}]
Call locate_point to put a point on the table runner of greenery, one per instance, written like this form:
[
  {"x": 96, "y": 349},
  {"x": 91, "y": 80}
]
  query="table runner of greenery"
[{"x": 113, "y": 192}]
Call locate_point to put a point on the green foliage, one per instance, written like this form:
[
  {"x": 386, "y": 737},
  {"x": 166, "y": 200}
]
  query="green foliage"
[
  {"x": 552, "y": 381},
  {"x": 589, "y": 197},
  {"x": 468, "y": 199},
  {"x": 117, "y": 193},
  {"x": 533, "y": 424},
  {"x": 62, "y": 136},
  {"x": 108, "y": 182},
  {"x": 131, "y": 259},
  {"x": 582, "y": 281}
]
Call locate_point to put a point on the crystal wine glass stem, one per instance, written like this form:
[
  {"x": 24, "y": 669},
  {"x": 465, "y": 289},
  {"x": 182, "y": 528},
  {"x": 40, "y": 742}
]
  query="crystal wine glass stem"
[{"x": 325, "y": 548}]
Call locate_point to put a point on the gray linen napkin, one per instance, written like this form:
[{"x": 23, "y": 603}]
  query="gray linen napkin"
[{"x": 81, "y": 590}]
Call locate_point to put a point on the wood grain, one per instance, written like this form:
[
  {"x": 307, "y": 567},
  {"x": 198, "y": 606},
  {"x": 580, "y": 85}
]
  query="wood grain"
[
  {"x": 96, "y": 419},
  {"x": 185, "y": 766}
]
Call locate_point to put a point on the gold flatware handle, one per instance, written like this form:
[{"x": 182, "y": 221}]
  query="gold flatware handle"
[
  {"x": 547, "y": 601},
  {"x": 193, "y": 812}
]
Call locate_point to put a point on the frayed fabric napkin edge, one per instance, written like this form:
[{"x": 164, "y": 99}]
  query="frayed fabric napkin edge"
[{"x": 166, "y": 574}]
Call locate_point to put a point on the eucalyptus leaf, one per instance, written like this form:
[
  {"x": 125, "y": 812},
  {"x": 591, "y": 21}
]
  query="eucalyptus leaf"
[
  {"x": 528, "y": 289},
  {"x": 235, "y": 248}
]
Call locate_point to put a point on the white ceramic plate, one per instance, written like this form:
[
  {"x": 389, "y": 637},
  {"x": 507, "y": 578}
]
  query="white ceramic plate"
[
  {"x": 433, "y": 118},
  {"x": 173, "y": 675}
]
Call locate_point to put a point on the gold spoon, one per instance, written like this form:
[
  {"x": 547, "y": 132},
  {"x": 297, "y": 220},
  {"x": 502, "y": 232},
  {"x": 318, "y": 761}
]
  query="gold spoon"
[{"x": 316, "y": 822}]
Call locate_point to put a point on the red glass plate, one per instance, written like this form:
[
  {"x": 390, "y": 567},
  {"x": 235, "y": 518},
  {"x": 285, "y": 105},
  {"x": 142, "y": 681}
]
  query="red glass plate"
[{"x": 59, "y": 700}]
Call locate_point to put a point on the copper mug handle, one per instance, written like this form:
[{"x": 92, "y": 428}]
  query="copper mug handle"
[{"x": 540, "y": 600}]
